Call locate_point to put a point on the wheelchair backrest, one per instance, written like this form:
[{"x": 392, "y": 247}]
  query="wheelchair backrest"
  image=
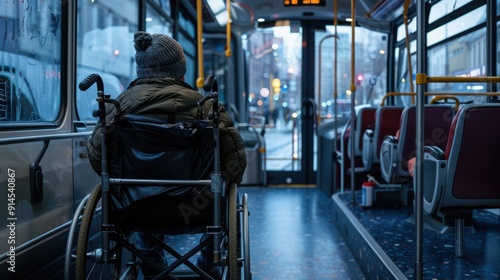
[{"x": 143, "y": 147}]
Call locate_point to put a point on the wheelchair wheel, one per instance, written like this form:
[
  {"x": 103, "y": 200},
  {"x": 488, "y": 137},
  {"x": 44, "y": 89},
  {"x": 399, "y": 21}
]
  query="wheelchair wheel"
[
  {"x": 238, "y": 257},
  {"x": 246, "y": 239},
  {"x": 234, "y": 271},
  {"x": 73, "y": 229},
  {"x": 89, "y": 262}
]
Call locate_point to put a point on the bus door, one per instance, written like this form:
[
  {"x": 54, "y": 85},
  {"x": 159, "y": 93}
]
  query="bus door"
[{"x": 277, "y": 102}]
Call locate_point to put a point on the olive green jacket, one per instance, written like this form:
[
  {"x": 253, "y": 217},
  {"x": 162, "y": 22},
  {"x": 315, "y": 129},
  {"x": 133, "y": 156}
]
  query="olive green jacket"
[{"x": 164, "y": 97}]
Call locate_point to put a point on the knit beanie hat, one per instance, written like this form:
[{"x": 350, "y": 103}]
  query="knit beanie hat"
[{"x": 158, "y": 55}]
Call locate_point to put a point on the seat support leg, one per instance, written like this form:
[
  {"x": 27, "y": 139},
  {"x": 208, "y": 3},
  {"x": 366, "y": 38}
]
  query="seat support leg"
[{"x": 459, "y": 235}]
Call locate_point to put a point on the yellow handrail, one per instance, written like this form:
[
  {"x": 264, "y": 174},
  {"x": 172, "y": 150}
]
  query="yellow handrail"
[
  {"x": 461, "y": 93},
  {"x": 430, "y": 93},
  {"x": 389, "y": 94},
  {"x": 200, "y": 80},
  {"x": 422, "y": 79},
  {"x": 441, "y": 97}
]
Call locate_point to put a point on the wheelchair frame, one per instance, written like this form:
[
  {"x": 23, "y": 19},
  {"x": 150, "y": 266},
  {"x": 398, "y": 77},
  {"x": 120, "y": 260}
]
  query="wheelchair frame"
[{"x": 230, "y": 246}]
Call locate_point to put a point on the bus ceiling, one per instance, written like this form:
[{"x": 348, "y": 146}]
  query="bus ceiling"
[{"x": 372, "y": 14}]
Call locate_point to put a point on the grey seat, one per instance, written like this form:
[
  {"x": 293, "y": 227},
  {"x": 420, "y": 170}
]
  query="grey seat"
[{"x": 464, "y": 176}]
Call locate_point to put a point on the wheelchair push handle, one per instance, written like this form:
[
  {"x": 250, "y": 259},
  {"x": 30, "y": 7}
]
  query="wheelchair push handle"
[
  {"x": 211, "y": 86},
  {"x": 90, "y": 80},
  {"x": 101, "y": 97}
]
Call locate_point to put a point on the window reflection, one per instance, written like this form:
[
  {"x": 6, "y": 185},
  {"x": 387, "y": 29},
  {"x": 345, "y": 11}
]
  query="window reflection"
[
  {"x": 155, "y": 23},
  {"x": 105, "y": 46},
  {"x": 444, "y": 7},
  {"x": 274, "y": 63},
  {"x": 370, "y": 69},
  {"x": 30, "y": 61},
  {"x": 456, "y": 26},
  {"x": 464, "y": 57}
]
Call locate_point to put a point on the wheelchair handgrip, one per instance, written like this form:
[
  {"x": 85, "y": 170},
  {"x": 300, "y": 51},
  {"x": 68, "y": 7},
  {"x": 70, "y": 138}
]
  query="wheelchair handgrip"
[
  {"x": 90, "y": 80},
  {"x": 208, "y": 96},
  {"x": 210, "y": 84}
]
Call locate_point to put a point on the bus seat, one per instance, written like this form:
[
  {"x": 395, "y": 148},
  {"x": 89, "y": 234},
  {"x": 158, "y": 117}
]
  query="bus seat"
[
  {"x": 365, "y": 119},
  {"x": 464, "y": 177},
  {"x": 386, "y": 123},
  {"x": 396, "y": 151}
]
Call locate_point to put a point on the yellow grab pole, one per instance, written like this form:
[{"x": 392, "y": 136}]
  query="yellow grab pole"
[
  {"x": 408, "y": 51},
  {"x": 200, "y": 80},
  {"x": 228, "y": 29}
]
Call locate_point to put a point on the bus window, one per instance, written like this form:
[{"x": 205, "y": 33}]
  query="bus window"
[
  {"x": 464, "y": 56},
  {"x": 370, "y": 68},
  {"x": 105, "y": 46},
  {"x": 442, "y": 8},
  {"x": 30, "y": 61}
]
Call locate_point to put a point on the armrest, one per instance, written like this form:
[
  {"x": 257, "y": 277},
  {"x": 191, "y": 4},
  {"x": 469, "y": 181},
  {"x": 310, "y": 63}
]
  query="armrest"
[
  {"x": 434, "y": 169},
  {"x": 391, "y": 139},
  {"x": 369, "y": 132},
  {"x": 367, "y": 153},
  {"x": 435, "y": 152},
  {"x": 388, "y": 157}
]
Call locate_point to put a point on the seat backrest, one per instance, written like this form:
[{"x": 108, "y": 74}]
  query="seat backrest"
[
  {"x": 387, "y": 119},
  {"x": 365, "y": 119},
  {"x": 437, "y": 123},
  {"x": 142, "y": 147},
  {"x": 473, "y": 156}
]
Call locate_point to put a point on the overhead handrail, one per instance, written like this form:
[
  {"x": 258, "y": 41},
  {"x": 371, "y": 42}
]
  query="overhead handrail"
[{"x": 201, "y": 80}]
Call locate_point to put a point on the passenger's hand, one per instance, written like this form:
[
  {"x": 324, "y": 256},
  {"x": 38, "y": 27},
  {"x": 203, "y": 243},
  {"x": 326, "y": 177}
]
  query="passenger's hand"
[{"x": 411, "y": 166}]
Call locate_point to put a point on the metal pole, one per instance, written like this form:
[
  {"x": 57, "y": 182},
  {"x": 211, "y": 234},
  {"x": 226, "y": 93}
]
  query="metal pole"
[
  {"x": 419, "y": 141},
  {"x": 335, "y": 95},
  {"x": 353, "y": 98}
]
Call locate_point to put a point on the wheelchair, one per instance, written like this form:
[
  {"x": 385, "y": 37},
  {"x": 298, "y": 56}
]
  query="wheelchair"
[{"x": 158, "y": 177}]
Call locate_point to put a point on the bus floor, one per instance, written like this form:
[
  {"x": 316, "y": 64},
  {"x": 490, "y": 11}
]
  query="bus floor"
[
  {"x": 293, "y": 236},
  {"x": 393, "y": 231}
]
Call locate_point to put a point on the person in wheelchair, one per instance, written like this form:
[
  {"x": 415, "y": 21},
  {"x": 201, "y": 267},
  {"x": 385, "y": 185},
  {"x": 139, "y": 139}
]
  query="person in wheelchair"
[{"x": 160, "y": 91}]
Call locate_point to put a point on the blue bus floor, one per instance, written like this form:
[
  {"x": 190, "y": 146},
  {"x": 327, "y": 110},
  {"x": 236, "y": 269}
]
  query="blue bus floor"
[
  {"x": 292, "y": 236},
  {"x": 394, "y": 231}
]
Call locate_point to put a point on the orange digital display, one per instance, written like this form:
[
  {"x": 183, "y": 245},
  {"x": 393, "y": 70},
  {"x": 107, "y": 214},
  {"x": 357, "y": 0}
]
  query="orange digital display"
[{"x": 292, "y": 3}]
